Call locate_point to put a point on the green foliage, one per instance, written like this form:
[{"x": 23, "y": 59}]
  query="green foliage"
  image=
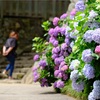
[
  {"x": 38, "y": 44},
  {"x": 46, "y": 25},
  {"x": 69, "y": 91}
]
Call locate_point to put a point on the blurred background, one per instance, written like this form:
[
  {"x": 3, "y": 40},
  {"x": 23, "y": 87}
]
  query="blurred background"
[{"x": 26, "y": 16}]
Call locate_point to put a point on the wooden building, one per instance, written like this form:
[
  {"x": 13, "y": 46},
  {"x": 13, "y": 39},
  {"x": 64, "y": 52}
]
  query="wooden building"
[{"x": 33, "y": 8}]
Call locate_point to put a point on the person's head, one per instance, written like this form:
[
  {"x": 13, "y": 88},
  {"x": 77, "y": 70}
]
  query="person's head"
[{"x": 13, "y": 34}]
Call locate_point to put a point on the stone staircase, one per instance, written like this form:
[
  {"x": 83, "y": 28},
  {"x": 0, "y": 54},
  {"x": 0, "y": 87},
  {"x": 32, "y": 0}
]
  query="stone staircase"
[{"x": 23, "y": 64}]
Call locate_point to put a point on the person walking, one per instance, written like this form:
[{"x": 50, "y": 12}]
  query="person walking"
[{"x": 9, "y": 51}]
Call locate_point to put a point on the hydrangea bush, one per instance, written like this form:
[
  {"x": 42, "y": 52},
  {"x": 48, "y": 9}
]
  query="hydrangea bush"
[{"x": 72, "y": 51}]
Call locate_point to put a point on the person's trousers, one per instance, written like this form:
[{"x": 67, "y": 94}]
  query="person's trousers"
[{"x": 10, "y": 66}]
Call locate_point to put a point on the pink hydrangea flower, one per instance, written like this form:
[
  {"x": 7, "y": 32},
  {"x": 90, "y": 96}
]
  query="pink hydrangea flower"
[
  {"x": 73, "y": 12},
  {"x": 97, "y": 49}
]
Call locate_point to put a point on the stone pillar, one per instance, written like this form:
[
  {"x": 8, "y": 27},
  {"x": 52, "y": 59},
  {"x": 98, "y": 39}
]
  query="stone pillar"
[{"x": 71, "y": 5}]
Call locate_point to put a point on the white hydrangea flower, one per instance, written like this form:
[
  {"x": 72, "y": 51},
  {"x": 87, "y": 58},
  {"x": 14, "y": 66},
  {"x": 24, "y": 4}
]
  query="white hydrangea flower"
[{"x": 92, "y": 15}]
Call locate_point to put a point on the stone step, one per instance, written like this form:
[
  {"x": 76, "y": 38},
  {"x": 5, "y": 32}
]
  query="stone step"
[
  {"x": 25, "y": 58},
  {"x": 23, "y": 65},
  {"x": 21, "y": 70},
  {"x": 28, "y": 54},
  {"x": 24, "y": 61},
  {"x": 18, "y": 75}
]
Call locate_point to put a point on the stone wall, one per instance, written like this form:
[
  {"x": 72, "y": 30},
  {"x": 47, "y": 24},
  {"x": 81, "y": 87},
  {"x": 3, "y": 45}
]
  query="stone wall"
[{"x": 27, "y": 28}]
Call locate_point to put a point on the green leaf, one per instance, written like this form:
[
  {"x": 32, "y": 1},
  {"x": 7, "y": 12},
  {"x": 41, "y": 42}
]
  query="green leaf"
[{"x": 96, "y": 56}]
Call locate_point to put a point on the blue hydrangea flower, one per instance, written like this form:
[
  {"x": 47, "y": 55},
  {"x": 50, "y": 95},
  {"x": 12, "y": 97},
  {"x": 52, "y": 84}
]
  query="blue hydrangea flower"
[
  {"x": 74, "y": 75},
  {"x": 78, "y": 86},
  {"x": 80, "y": 6},
  {"x": 90, "y": 96},
  {"x": 87, "y": 56},
  {"x": 67, "y": 41},
  {"x": 96, "y": 35},
  {"x": 74, "y": 64},
  {"x": 96, "y": 83},
  {"x": 95, "y": 94},
  {"x": 88, "y": 71},
  {"x": 88, "y": 36}
]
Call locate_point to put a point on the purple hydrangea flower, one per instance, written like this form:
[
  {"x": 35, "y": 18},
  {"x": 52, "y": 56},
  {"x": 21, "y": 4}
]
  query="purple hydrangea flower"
[
  {"x": 56, "y": 68},
  {"x": 57, "y": 61},
  {"x": 34, "y": 68},
  {"x": 63, "y": 30},
  {"x": 62, "y": 64},
  {"x": 51, "y": 31},
  {"x": 78, "y": 86},
  {"x": 36, "y": 57},
  {"x": 87, "y": 55},
  {"x": 56, "y": 50},
  {"x": 55, "y": 21},
  {"x": 64, "y": 46},
  {"x": 61, "y": 53},
  {"x": 59, "y": 84},
  {"x": 88, "y": 71},
  {"x": 60, "y": 75},
  {"x": 65, "y": 76},
  {"x": 54, "y": 56},
  {"x": 44, "y": 82},
  {"x": 55, "y": 84},
  {"x": 69, "y": 49},
  {"x": 80, "y": 6},
  {"x": 64, "y": 68},
  {"x": 65, "y": 54},
  {"x": 36, "y": 76},
  {"x": 56, "y": 31},
  {"x": 67, "y": 41},
  {"x": 88, "y": 36},
  {"x": 56, "y": 73},
  {"x": 63, "y": 16},
  {"x": 42, "y": 63},
  {"x": 96, "y": 35},
  {"x": 52, "y": 39},
  {"x": 55, "y": 43}
]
